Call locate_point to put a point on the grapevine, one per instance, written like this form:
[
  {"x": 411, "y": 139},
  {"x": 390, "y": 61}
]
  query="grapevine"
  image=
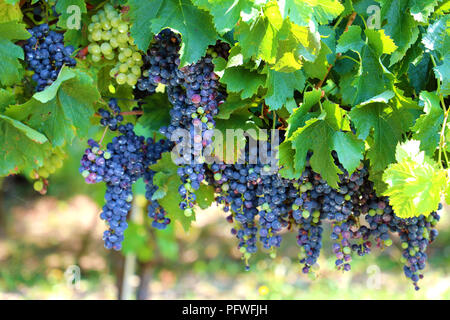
[{"x": 360, "y": 112}]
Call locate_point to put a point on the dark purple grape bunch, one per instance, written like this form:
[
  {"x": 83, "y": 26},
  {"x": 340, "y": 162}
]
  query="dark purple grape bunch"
[
  {"x": 111, "y": 120},
  {"x": 45, "y": 54},
  {"x": 415, "y": 234},
  {"x": 92, "y": 166}
]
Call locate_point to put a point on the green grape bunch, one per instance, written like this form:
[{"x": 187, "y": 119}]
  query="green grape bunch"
[
  {"x": 109, "y": 39},
  {"x": 54, "y": 161}
]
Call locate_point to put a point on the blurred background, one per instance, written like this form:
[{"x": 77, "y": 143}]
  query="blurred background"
[{"x": 51, "y": 248}]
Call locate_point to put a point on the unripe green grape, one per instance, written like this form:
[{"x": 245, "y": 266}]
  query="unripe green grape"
[
  {"x": 96, "y": 57},
  {"x": 122, "y": 27},
  {"x": 91, "y": 27},
  {"x": 130, "y": 62},
  {"x": 136, "y": 70},
  {"x": 127, "y": 52},
  {"x": 113, "y": 42},
  {"x": 106, "y": 25},
  {"x": 38, "y": 185},
  {"x": 131, "y": 41},
  {"x": 121, "y": 78},
  {"x": 106, "y": 48},
  {"x": 145, "y": 73},
  {"x": 122, "y": 57},
  {"x": 123, "y": 68},
  {"x": 94, "y": 48},
  {"x": 34, "y": 174},
  {"x": 136, "y": 56},
  {"x": 97, "y": 26},
  {"x": 131, "y": 79},
  {"x": 90, "y": 38},
  {"x": 51, "y": 170},
  {"x": 42, "y": 172},
  {"x": 97, "y": 35},
  {"x": 110, "y": 56},
  {"x": 122, "y": 38},
  {"x": 140, "y": 63},
  {"x": 95, "y": 18},
  {"x": 115, "y": 23},
  {"x": 101, "y": 15},
  {"x": 111, "y": 15},
  {"x": 106, "y": 35},
  {"x": 113, "y": 72},
  {"x": 115, "y": 32}
]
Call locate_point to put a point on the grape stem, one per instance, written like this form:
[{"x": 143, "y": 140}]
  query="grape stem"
[{"x": 349, "y": 23}]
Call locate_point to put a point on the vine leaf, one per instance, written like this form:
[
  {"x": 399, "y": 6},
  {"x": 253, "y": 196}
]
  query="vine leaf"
[
  {"x": 242, "y": 80},
  {"x": 421, "y": 9},
  {"x": 400, "y": 26},
  {"x": 281, "y": 87},
  {"x": 11, "y": 70},
  {"x": 22, "y": 146},
  {"x": 65, "y": 110},
  {"x": 156, "y": 112},
  {"x": 322, "y": 135},
  {"x": 9, "y": 11},
  {"x": 414, "y": 182},
  {"x": 194, "y": 24},
  {"x": 226, "y": 13},
  {"x": 425, "y": 127},
  {"x": 141, "y": 14},
  {"x": 300, "y": 115},
  {"x": 387, "y": 125}
]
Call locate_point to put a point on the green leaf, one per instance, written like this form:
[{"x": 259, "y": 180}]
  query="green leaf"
[
  {"x": 301, "y": 115},
  {"x": 226, "y": 13},
  {"x": 322, "y": 135},
  {"x": 302, "y": 12},
  {"x": 10, "y": 11},
  {"x": 426, "y": 128},
  {"x": 435, "y": 35},
  {"x": 11, "y": 70},
  {"x": 400, "y": 26},
  {"x": 50, "y": 92},
  {"x": 141, "y": 14},
  {"x": 442, "y": 73},
  {"x": 287, "y": 154},
  {"x": 372, "y": 78},
  {"x": 6, "y": 99},
  {"x": 61, "y": 8},
  {"x": 22, "y": 146},
  {"x": 233, "y": 103},
  {"x": 194, "y": 24},
  {"x": 67, "y": 113},
  {"x": 319, "y": 68},
  {"x": 205, "y": 196},
  {"x": 414, "y": 182},
  {"x": 422, "y": 9},
  {"x": 349, "y": 150},
  {"x": 281, "y": 87},
  {"x": 382, "y": 43},
  {"x": 156, "y": 112},
  {"x": 242, "y": 80},
  {"x": 388, "y": 127},
  {"x": 259, "y": 39},
  {"x": 350, "y": 40}
]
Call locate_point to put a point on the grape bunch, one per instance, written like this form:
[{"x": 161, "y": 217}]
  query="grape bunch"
[
  {"x": 119, "y": 166},
  {"x": 110, "y": 39},
  {"x": 45, "y": 54},
  {"x": 53, "y": 162}
]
